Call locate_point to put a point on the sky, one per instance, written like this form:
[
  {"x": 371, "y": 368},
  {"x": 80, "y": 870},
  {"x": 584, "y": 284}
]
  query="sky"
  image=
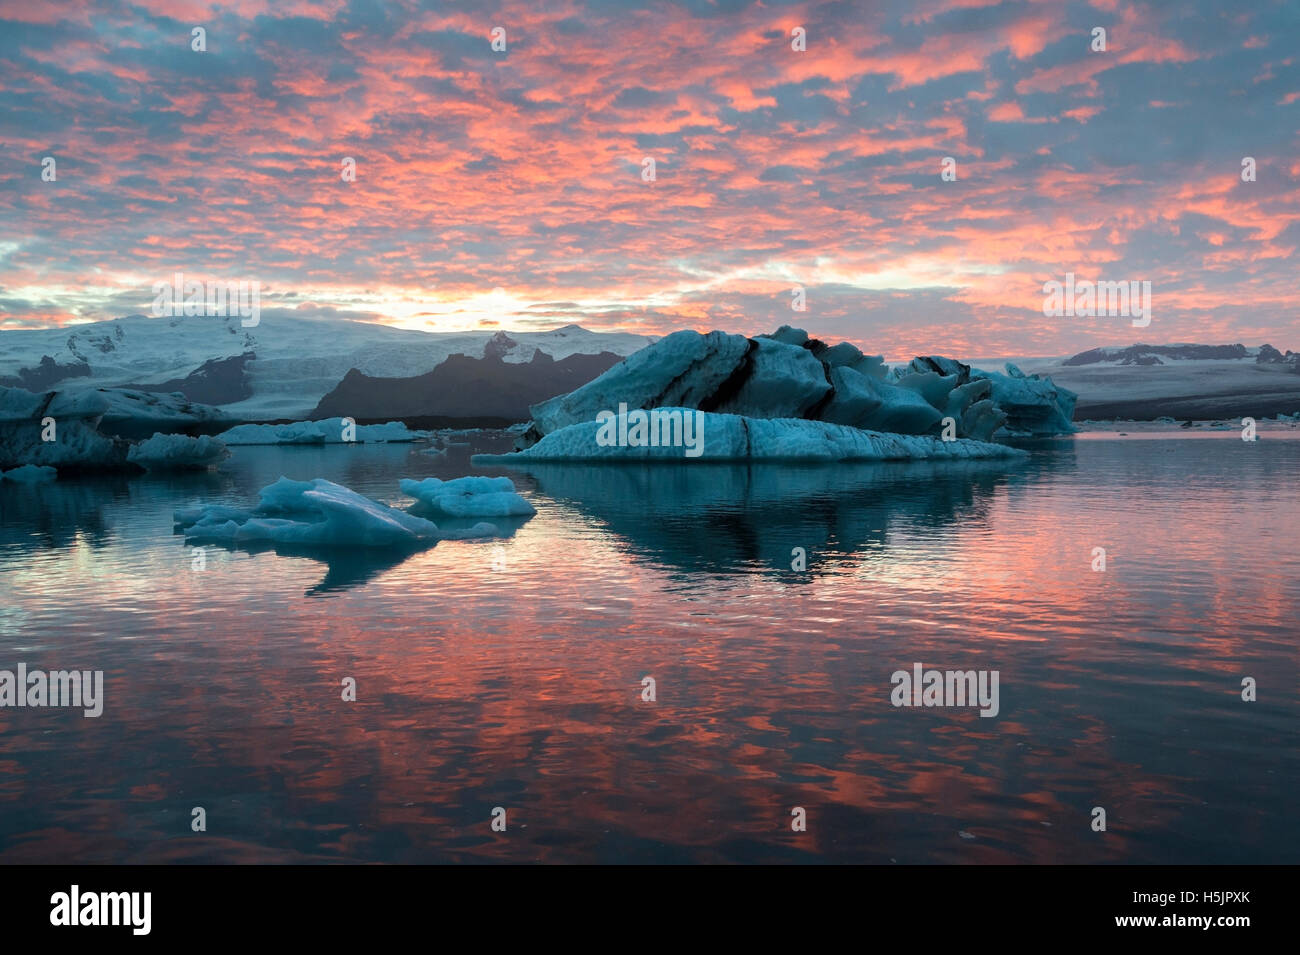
[{"x": 509, "y": 188}]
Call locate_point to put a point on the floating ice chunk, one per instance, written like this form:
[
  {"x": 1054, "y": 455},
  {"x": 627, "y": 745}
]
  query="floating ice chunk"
[
  {"x": 28, "y": 421},
  {"x": 298, "y": 432},
  {"x": 317, "y": 513},
  {"x": 469, "y": 497},
  {"x": 177, "y": 452},
  {"x": 30, "y": 474},
  {"x": 735, "y": 437},
  {"x": 788, "y": 375},
  {"x": 325, "y": 431}
]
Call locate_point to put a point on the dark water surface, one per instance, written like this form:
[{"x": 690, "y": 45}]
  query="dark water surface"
[{"x": 508, "y": 673}]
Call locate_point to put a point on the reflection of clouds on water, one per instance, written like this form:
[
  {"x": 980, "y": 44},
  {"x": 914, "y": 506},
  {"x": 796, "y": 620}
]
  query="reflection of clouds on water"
[
  {"x": 11, "y": 622},
  {"x": 508, "y": 673}
]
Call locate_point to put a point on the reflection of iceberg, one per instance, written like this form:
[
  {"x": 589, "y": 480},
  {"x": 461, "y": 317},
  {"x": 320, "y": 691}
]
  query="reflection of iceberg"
[
  {"x": 93, "y": 511},
  {"x": 356, "y": 537},
  {"x": 345, "y": 568},
  {"x": 717, "y": 518}
]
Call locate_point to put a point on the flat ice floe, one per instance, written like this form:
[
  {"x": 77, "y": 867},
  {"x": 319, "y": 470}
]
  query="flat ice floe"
[
  {"x": 726, "y": 437},
  {"x": 317, "y": 513},
  {"x": 30, "y": 474},
  {"x": 325, "y": 431},
  {"x": 469, "y": 497}
]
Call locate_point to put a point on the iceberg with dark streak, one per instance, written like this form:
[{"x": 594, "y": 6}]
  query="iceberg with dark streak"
[{"x": 789, "y": 376}]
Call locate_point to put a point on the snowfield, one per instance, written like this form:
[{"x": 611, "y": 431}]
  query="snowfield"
[
  {"x": 298, "y": 360},
  {"x": 1200, "y": 389}
]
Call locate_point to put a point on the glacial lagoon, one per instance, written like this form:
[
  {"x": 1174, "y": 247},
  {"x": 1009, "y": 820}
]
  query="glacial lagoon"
[{"x": 509, "y": 672}]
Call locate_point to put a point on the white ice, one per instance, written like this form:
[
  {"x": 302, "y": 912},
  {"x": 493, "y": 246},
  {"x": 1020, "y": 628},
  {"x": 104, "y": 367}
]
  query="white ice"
[
  {"x": 299, "y": 360},
  {"x": 325, "y": 431},
  {"x": 175, "y": 452},
  {"x": 317, "y": 513},
  {"x": 469, "y": 497}
]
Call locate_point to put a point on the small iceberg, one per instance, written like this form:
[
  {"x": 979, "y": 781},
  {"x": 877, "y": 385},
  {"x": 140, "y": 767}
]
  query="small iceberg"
[
  {"x": 177, "y": 452},
  {"x": 30, "y": 474},
  {"x": 469, "y": 497},
  {"x": 317, "y": 513},
  {"x": 325, "y": 431},
  {"x": 728, "y": 437}
]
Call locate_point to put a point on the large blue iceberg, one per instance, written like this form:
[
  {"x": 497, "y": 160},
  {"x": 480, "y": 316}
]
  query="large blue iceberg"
[{"x": 803, "y": 388}]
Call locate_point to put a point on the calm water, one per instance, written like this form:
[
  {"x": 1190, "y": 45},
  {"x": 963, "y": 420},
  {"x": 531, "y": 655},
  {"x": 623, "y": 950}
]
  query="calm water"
[{"x": 509, "y": 673}]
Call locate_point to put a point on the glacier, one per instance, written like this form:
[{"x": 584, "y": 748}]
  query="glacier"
[
  {"x": 788, "y": 375},
  {"x": 729, "y": 437},
  {"x": 469, "y": 497},
  {"x": 317, "y": 513},
  {"x": 286, "y": 365}
]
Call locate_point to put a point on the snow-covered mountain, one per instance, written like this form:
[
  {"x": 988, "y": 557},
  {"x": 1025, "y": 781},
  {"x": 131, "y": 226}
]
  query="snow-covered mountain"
[
  {"x": 280, "y": 368},
  {"x": 1144, "y": 382}
]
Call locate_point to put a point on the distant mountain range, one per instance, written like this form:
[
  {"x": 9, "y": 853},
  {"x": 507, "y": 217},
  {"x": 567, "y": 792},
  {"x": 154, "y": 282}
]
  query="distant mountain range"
[
  {"x": 290, "y": 368},
  {"x": 285, "y": 367},
  {"x": 465, "y": 392},
  {"x": 1144, "y": 382}
]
